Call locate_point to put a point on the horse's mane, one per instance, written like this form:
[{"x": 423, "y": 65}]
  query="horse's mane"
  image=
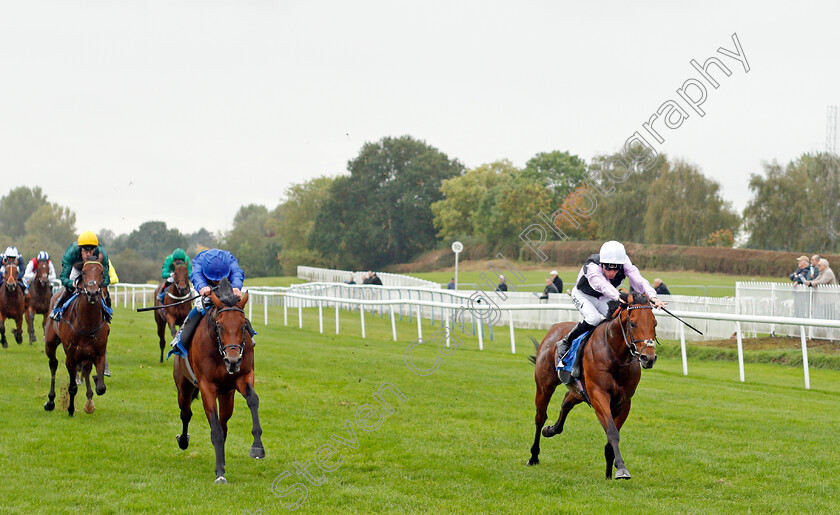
[
  {"x": 638, "y": 298},
  {"x": 225, "y": 293}
]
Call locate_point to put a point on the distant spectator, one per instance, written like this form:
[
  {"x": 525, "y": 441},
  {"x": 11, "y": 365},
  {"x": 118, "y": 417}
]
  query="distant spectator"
[
  {"x": 502, "y": 284},
  {"x": 803, "y": 272},
  {"x": 826, "y": 275},
  {"x": 350, "y": 281},
  {"x": 815, "y": 266},
  {"x": 660, "y": 287},
  {"x": 366, "y": 277},
  {"x": 374, "y": 279},
  {"x": 451, "y": 285},
  {"x": 549, "y": 288},
  {"x": 555, "y": 279}
]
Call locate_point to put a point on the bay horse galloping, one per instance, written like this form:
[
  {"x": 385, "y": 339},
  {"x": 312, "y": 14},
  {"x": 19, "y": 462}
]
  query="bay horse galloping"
[
  {"x": 83, "y": 330},
  {"x": 12, "y": 304},
  {"x": 38, "y": 299},
  {"x": 221, "y": 356},
  {"x": 173, "y": 316},
  {"x": 611, "y": 372}
]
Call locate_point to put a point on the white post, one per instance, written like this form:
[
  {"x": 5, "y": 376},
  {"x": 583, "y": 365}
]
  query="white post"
[
  {"x": 772, "y": 307},
  {"x": 393, "y": 323},
  {"x": 125, "y": 297},
  {"x": 419, "y": 325},
  {"x": 362, "y": 311},
  {"x": 805, "y": 357},
  {"x": 144, "y": 297},
  {"x": 336, "y": 318},
  {"x": 300, "y": 314},
  {"x": 446, "y": 324},
  {"x": 250, "y": 310},
  {"x": 265, "y": 309},
  {"x": 456, "y": 271},
  {"x": 512, "y": 338},
  {"x": 132, "y": 299},
  {"x": 285, "y": 311},
  {"x": 320, "y": 317},
  {"x": 740, "y": 350},
  {"x": 682, "y": 346},
  {"x": 480, "y": 334}
]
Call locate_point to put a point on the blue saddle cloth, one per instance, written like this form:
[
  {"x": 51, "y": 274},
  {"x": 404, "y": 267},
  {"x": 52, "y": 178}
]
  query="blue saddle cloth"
[
  {"x": 569, "y": 362},
  {"x": 59, "y": 310},
  {"x": 178, "y": 350}
]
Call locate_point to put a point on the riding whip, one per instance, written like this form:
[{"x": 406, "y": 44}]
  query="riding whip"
[{"x": 680, "y": 319}]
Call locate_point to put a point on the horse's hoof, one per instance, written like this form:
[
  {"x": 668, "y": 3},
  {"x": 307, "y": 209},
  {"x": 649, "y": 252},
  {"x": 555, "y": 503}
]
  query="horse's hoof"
[
  {"x": 89, "y": 407},
  {"x": 183, "y": 444},
  {"x": 71, "y": 410},
  {"x": 5, "y": 345},
  {"x": 548, "y": 431},
  {"x": 533, "y": 461},
  {"x": 49, "y": 406},
  {"x": 257, "y": 453},
  {"x": 221, "y": 480},
  {"x": 102, "y": 391},
  {"x": 622, "y": 474}
]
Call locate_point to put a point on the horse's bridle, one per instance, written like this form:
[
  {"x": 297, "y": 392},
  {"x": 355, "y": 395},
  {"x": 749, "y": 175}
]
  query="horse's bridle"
[
  {"x": 91, "y": 295},
  {"x": 633, "y": 345},
  {"x": 11, "y": 284},
  {"x": 240, "y": 347}
]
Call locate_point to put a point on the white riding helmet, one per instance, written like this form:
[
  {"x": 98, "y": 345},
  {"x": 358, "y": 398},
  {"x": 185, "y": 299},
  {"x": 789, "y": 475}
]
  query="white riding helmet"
[
  {"x": 11, "y": 252},
  {"x": 612, "y": 253},
  {"x": 43, "y": 256}
]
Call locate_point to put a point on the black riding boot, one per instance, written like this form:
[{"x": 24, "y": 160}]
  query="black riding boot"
[
  {"x": 564, "y": 344},
  {"x": 188, "y": 329},
  {"x": 65, "y": 294}
]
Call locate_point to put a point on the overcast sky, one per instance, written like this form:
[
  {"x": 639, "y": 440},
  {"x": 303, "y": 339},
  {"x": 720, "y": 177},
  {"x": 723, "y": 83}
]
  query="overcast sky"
[{"x": 183, "y": 111}]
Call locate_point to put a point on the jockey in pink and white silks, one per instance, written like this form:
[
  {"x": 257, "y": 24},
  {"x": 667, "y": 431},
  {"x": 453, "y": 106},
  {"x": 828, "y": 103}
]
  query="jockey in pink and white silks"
[{"x": 596, "y": 291}]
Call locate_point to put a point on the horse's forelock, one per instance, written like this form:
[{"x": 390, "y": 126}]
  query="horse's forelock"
[{"x": 639, "y": 298}]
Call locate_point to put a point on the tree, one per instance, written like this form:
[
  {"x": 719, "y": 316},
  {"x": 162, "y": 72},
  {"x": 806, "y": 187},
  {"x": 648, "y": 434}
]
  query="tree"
[
  {"x": 381, "y": 213},
  {"x": 254, "y": 242},
  {"x": 558, "y": 171},
  {"x": 200, "y": 240},
  {"x": 16, "y": 207},
  {"x": 795, "y": 208},
  {"x": 685, "y": 208},
  {"x": 298, "y": 214},
  {"x": 50, "y": 228},
  {"x": 457, "y": 214},
  {"x": 509, "y": 207},
  {"x": 152, "y": 240}
]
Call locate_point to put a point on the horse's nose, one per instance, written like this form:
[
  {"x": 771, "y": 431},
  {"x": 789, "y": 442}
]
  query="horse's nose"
[
  {"x": 646, "y": 361},
  {"x": 232, "y": 364}
]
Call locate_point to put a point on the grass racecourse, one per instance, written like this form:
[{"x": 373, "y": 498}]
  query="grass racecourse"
[{"x": 458, "y": 442}]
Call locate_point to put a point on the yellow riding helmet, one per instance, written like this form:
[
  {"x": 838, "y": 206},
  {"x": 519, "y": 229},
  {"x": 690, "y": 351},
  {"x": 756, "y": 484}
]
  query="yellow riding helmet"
[{"x": 87, "y": 238}]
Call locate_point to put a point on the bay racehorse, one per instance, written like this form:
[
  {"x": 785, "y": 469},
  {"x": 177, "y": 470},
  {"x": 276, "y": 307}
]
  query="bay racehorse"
[
  {"x": 173, "y": 316},
  {"x": 612, "y": 361},
  {"x": 220, "y": 363},
  {"x": 38, "y": 299},
  {"x": 83, "y": 331},
  {"x": 12, "y": 304}
]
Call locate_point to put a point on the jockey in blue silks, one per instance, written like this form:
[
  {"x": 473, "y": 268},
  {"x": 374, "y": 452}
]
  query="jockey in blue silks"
[{"x": 208, "y": 268}]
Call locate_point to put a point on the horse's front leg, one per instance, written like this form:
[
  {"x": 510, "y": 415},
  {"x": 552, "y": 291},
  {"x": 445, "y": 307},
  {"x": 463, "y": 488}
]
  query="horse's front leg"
[
  {"x": 72, "y": 388},
  {"x": 101, "y": 363},
  {"x": 570, "y": 400},
  {"x": 541, "y": 400},
  {"x": 601, "y": 404},
  {"x": 30, "y": 321},
  {"x": 49, "y": 348},
  {"x": 18, "y": 330},
  {"x": 619, "y": 416},
  {"x": 246, "y": 388},
  {"x": 3, "y": 331},
  {"x": 209, "y": 394},
  {"x": 186, "y": 393},
  {"x": 89, "y": 407}
]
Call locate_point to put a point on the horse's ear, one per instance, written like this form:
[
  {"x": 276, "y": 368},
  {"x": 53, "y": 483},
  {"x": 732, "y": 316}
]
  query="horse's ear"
[
  {"x": 623, "y": 295},
  {"x": 629, "y": 298},
  {"x": 243, "y": 300},
  {"x": 215, "y": 300}
]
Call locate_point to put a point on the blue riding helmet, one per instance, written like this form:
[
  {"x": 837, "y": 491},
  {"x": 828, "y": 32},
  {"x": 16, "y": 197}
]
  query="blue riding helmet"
[
  {"x": 43, "y": 256},
  {"x": 216, "y": 269}
]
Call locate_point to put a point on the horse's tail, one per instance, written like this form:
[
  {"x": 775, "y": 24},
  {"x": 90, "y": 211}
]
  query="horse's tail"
[{"x": 533, "y": 359}]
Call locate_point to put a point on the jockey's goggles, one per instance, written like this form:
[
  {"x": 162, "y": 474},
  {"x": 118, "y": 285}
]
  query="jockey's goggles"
[{"x": 612, "y": 266}]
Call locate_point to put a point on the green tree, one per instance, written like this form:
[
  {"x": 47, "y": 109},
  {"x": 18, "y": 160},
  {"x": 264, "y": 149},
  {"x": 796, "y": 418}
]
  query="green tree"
[
  {"x": 795, "y": 208},
  {"x": 457, "y": 214},
  {"x": 152, "y": 240},
  {"x": 16, "y": 207},
  {"x": 51, "y": 228},
  {"x": 382, "y": 214},
  {"x": 558, "y": 171},
  {"x": 254, "y": 242},
  {"x": 298, "y": 214},
  {"x": 684, "y": 207}
]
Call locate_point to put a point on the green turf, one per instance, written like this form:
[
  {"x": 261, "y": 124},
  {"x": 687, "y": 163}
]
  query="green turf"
[
  {"x": 705, "y": 443},
  {"x": 679, "y": 283}
]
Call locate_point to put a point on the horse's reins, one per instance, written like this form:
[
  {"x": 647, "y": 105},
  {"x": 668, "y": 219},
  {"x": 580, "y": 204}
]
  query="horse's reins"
[{"x": 91, "y": 298}]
